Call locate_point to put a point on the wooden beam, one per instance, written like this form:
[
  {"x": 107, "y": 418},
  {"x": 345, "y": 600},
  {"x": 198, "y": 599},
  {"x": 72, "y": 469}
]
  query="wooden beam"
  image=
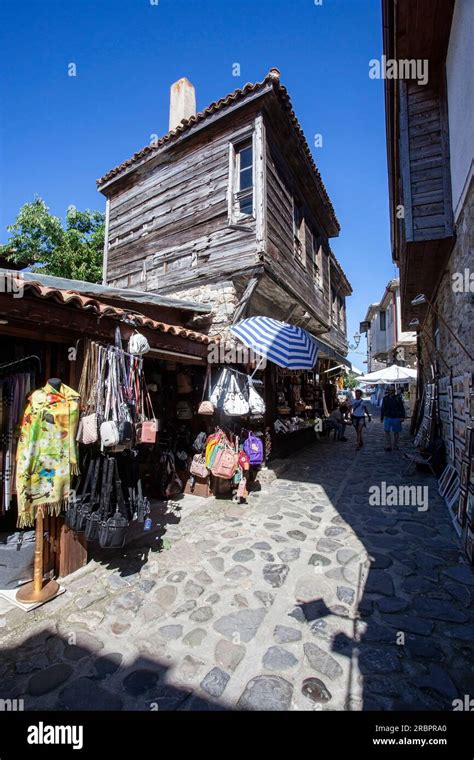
[{"x": 404, "y": 146}]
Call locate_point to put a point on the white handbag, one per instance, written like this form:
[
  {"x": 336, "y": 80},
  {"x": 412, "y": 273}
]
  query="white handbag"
[
  {"x": 235, "y": 404},
  {"x": 138, "y": 344},
  {"x": 217, "y": 394},
  {"x": 109, "y": 433},
  {"x": 256, "y": 402}
]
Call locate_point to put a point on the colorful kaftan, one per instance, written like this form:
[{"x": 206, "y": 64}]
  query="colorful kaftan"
[{"x": 47, "y": 452}]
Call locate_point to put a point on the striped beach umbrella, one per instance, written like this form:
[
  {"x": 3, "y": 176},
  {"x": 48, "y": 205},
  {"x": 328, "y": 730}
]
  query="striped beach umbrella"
[{"x": 286, "y": 345}]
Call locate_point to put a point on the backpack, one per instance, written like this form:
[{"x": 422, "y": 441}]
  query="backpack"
[
  {"x": 253, "y": 447},
  {"x": 184, "y": 410},
  {"x": 200, "y": 441},
  {"x": 224, "y": 465}
]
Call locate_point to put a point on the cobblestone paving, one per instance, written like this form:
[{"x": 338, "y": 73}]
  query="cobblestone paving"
[{"x": 306, "y": 598}]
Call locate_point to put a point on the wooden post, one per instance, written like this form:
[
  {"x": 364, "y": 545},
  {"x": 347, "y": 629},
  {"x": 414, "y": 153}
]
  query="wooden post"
[{"x": 37, "y": 590}]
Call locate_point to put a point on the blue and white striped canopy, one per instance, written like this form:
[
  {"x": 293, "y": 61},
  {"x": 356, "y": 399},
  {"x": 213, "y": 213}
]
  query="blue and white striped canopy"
[{"x": 286, "y": 345}]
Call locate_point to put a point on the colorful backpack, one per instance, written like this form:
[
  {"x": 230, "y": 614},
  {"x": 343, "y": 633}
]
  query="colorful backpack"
[
  {"x": 225, "y": 463},
  {"x": 253, "y": 447}
]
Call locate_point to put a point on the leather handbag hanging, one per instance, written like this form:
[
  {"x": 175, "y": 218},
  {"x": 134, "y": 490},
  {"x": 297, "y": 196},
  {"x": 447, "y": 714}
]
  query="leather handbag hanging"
[
  {"x": 94, "y": 519},
  {"x": 235, "y": 404},
  {"x": 256, "y": 402},
  {"x": 88, "y": 430},
  {"x": 146, "y": 430},
  {"x": 206, "y": 407},
  {"x": 113, "y": 531}
]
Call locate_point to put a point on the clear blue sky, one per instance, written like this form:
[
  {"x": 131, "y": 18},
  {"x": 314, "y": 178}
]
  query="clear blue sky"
[{"x": 59, "y": 133}]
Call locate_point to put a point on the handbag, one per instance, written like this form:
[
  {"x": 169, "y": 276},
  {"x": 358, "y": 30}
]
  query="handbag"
[
  {"x": 109, "y": 433},
  {"x": 235, "y": 404},
  {"x": 256, "y": 402},
  {"x": 184, "y": 410},
  {"x": 217, "y": 394},
  {"x": 198, "y": 466},
  {"x": 146, "y": 430},
  {"x": 174, "y": 487},
  {"x": 138, "y": 344},
  {"x": 88, "y": 429},
  {"x": 206, "y": 407},
  {"x": 94, "y": 518},
  {"x": 125, "y": 425},
  {"x": 113, "y": 531}
]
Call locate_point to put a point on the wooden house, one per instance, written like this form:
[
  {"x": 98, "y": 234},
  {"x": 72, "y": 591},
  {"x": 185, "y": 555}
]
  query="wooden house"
[{"x": 229, "y": 208}]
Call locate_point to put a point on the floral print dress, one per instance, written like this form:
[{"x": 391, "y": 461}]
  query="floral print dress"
[{"x": 47, "y": 452}]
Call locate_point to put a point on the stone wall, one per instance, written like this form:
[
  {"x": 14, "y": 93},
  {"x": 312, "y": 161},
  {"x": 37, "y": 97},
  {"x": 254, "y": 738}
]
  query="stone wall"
[
  {"x": 223, "y": 299},
  {"x": 456, "y": 308}
]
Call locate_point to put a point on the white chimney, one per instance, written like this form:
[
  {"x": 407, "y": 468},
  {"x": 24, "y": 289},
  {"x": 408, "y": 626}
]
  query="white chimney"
[{"x": 182, "y": 102}]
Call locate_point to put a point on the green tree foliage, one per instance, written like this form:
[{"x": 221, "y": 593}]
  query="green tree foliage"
[
  {"x": 350, "y": 381},
  {"x": 73, "y": 250}
]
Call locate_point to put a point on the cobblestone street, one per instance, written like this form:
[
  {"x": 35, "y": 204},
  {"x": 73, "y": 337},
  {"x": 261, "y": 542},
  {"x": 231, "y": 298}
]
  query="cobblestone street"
[{"x": 306, "y": 598}]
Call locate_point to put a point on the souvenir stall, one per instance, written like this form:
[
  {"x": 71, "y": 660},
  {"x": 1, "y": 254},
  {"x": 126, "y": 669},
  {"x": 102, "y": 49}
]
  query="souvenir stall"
[
  {"x": 297, "y": 390},
  {"x": 230, "y": 443},
  {"x": 61, "y": 349}
]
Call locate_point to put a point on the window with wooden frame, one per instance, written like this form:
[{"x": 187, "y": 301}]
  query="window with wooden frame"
[
  {"x": 298, "y": 232},
  {"x": 383, "y": 321},
  {"x": 318, "y": 262},
  {"x": 334, "y": 310},
  {"x": 242, "y": 181},
  {"x": 342, "y": 313}
]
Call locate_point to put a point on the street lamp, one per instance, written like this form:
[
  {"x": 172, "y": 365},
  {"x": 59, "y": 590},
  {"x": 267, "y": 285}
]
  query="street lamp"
[
  {"x": 420, "y": 300},
  {"x": 357, "y": 337}
]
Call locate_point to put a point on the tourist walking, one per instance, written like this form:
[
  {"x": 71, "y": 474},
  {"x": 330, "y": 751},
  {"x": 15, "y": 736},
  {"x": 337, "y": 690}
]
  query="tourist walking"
[
  {"x": 359, "y": 412},
  {"x": 391, "y": 414}
]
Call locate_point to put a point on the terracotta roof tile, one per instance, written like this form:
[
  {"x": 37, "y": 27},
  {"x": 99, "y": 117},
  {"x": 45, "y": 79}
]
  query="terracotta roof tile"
[{"x": 86, "y": 303}]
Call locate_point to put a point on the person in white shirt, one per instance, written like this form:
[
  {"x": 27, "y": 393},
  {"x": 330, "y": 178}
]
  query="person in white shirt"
[
  {"x": 359, "y": 411},
  {"x": 338, "y": 420}
]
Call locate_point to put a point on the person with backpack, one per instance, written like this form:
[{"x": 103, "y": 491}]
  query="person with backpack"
[
  {"x": 391, "y": 414},
  {"x": 358, "y": 413}
]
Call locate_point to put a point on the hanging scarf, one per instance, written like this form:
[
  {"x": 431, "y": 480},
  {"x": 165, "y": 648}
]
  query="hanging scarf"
[{"x": 47, "y": 453}]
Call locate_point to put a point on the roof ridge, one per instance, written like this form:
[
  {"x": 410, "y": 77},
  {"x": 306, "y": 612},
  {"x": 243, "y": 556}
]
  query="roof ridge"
[{"x": 273, "y": 77}]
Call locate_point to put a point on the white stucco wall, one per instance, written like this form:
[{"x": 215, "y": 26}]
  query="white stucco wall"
[{"x": 460, "y": 85}]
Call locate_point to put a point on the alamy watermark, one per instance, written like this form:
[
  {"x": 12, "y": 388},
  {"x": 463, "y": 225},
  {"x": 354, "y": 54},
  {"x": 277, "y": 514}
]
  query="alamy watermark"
[
  {"x": 463, "y": 282},
  {"x": 12, "y": 283},
  {"x": 466, "y": 704},
  {"x": 404, "y": 68},
  {"x": 12, "y": 705},
  {"x": 384, "y": 495},
  {"x": 229, "y": 353}
]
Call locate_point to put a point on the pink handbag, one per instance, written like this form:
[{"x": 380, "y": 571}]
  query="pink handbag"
[{"x": 146, "y": 430}]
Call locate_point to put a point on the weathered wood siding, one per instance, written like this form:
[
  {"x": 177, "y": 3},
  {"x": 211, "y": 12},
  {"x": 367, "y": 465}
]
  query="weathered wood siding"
[
  {"x": 169, "y": 230},
  {"x": 280, "y": 258},
  {"x": 424, "y": 160}
]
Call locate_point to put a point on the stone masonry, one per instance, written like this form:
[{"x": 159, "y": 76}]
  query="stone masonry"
[{"x": 306, "y": 598}]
